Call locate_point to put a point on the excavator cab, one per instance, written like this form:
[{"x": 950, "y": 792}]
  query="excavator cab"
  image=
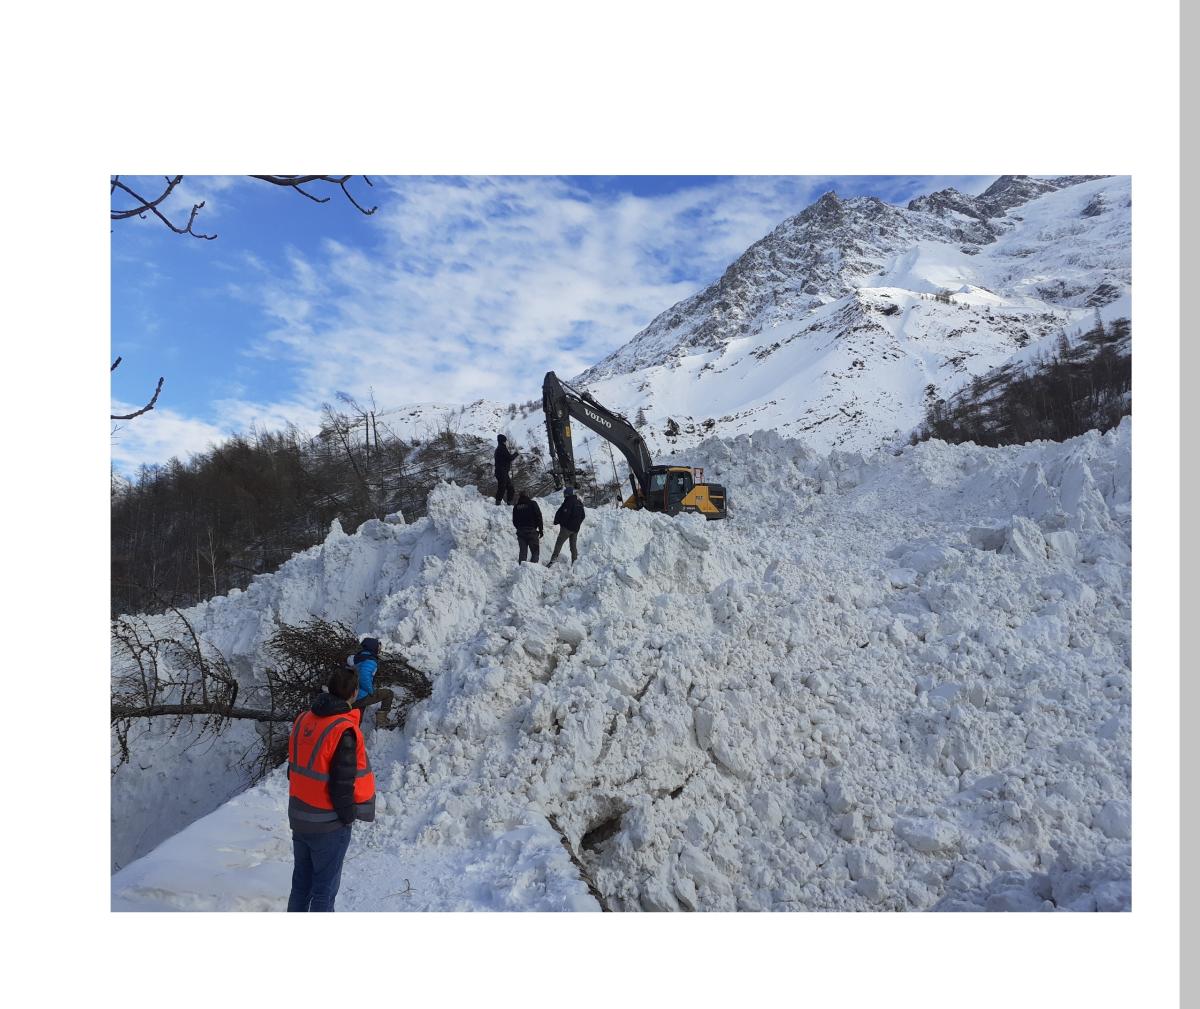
[
  {"x": 679, "y": 483},
  {"x": 675, "y": 489}
]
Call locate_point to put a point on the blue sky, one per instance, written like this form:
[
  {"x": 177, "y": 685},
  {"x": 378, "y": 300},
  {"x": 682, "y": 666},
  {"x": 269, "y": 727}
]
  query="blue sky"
[{"x": 456, "y": 289}]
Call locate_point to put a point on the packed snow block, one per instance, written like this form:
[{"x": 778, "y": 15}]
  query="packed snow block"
[
  {"x": 685, "y": 891},
  {"x": 997, "y": 857},
  {"x": 1069, "y": 589},
  {"x": 838, "y": 797},
  {"x": 692, "y": 529},
  {"x": 926, "y": 833},
  {"x": 729, "y": 756},
  {"x": 395, "y": 518},
  {"x": 1082, "y": 500},
  {"x": 1024, "y": 540},
  {"x": 1014, "y": 898},
  {"x": 987, "y": 537},
  {"x": 1098, "y": 549},
  {"x": 572, "y": 632},
  {"x": 863, "y": 863},
  {"x": 702, "y": 719},
  {"x": 870, "y": 887},
  {"x": 767, "y": 808},
  {"x": 462, "y": 514},
  {"x": 1041, "y": 500},
  {"x": 1115, "y": 820},
  {"x": 373, "y": 529},
  {"x": 929, "y": 557},
  {"x": 849, "y": 826},
  {"x": 1064, "y": 543},
  {"x": 1116, "y": 727},
  {"x": 697, "y": 866},
  {"x": 1113, "y": 895},
  {"x": 947, "y": 692},
  {"x": 535, "y": 644}
]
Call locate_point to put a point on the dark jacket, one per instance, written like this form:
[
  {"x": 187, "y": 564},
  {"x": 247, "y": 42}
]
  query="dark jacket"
[
  {"x": 527, "y": 516},
  {"x": 344, "y": 764},
  {"x": 570, "y": 514},
  {"x": 504, "y": 458}
]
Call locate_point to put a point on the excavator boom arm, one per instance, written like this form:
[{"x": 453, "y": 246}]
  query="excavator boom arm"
[{"x": 560, "y": 403}]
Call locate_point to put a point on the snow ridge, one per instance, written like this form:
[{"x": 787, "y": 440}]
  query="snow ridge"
[{"x": 886, "y": 682}]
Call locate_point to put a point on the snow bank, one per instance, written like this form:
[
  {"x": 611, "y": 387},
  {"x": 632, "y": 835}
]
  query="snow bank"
[{"x": 887, "y": 682}]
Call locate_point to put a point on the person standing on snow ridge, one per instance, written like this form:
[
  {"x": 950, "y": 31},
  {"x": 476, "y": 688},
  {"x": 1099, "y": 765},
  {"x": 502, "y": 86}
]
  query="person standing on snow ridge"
[
  {"x": 365, "y": 662},
  {"x": 504, "y": 459},
  {"x": 568, "y": 518},
  {"x": 527, "y": 517},
  {"x": 330, "y": 785}
]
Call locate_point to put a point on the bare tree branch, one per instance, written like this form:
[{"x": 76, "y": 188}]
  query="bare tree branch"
[
  {"x": 145, "y": 205},
  {"x": 357, "y": 206},
  {"x": 146, "y": 409},
  {"x": 296, "y": 181}
]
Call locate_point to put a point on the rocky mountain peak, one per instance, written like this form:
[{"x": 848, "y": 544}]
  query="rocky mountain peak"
[{"x": 824, "y": 253}]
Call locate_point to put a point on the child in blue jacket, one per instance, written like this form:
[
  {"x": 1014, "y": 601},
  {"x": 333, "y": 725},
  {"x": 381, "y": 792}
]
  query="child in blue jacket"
[{"x": 365, "y": 661}]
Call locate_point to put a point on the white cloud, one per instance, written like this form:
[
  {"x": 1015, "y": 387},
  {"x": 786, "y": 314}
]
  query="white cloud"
[
  {"x": 158, "y": 435},
  {"x": 483, "y": 284}
]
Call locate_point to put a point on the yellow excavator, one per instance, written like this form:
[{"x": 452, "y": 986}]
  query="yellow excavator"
[{"x": 670, "y": 489}]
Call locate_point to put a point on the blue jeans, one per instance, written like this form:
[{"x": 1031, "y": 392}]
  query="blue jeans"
[{"x": 318, "y": 871}]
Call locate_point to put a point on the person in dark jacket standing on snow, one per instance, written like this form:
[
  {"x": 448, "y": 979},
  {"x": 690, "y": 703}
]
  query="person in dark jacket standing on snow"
[
  {"x": 330, "y": 785},
  {"x": 527, "y": 517},
  {"x": 504, "y": 458},
  {"x": 568, "y": 518}
]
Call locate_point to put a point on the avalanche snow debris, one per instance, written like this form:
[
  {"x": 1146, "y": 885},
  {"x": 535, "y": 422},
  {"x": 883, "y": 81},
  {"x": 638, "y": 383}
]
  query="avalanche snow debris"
[{"x": 774, "y": 719}]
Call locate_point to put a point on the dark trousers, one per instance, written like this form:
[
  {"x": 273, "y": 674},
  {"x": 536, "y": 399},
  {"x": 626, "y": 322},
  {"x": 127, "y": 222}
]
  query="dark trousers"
[
  {"x": 564, "y": 536},
  {"x": 384, "y": 698},
  {"x": 504, "y": 489},
  {"x": 318, "y": 871},
  {"x": 530, "y": 542}
]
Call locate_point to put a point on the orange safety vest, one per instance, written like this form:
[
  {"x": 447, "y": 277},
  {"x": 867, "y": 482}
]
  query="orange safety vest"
[{"x": 310, "y": 753}]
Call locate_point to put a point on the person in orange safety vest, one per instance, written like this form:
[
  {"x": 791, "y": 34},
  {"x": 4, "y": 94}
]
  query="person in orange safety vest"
[{"x": 330, "y": 785}]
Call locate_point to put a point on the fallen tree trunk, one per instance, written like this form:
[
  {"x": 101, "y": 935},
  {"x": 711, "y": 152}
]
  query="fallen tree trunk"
[
  {"x": 578, "y": 863},
  {"x": 153, "y": 710}
]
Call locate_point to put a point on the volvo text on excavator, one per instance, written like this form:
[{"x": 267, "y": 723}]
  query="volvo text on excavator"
[{"x": 670, "y": 489}]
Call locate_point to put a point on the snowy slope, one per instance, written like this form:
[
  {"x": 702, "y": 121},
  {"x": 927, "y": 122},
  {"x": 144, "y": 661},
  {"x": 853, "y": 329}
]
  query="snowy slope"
[{"x": 886, "y": 682}]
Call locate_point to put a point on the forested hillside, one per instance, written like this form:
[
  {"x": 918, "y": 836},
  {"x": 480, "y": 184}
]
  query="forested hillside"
[
  {"x": 184, "y": 532},
  {"x": 1078, "y": 387}
]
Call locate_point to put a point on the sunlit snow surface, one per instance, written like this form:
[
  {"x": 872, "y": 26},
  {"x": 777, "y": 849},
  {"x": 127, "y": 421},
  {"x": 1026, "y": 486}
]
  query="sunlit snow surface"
[{"x": 886, "y": 682}]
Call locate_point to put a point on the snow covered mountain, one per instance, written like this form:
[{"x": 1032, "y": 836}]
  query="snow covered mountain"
[
  {"x": 887, "y": 682},
  {"x": 840, "y": 324},
  {"x": 844, "y": 322}
]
